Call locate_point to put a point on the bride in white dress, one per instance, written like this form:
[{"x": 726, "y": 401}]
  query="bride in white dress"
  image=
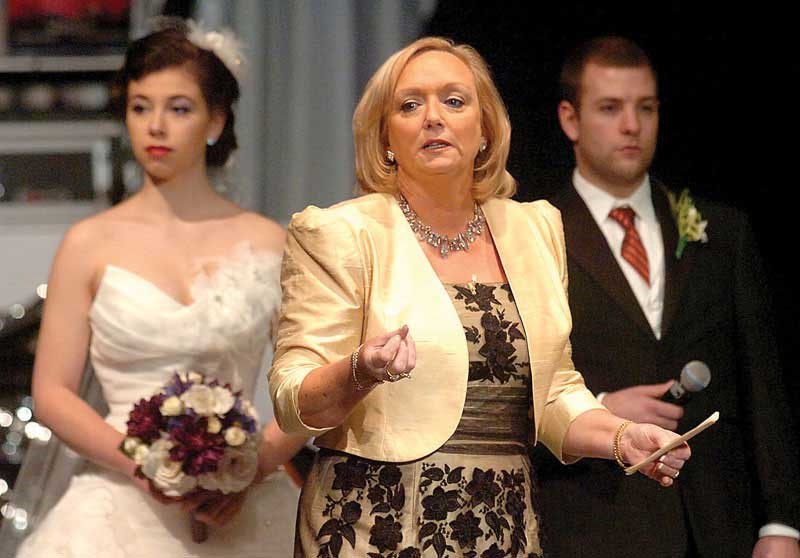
[{"x": 174, "y": 278}]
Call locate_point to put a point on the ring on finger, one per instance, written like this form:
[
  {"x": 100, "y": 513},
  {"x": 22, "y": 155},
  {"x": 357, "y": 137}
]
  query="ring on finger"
[{"x": 395, "y": 377}]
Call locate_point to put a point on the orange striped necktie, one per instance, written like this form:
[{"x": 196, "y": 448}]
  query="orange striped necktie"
[{"x": 633, "y": 250}]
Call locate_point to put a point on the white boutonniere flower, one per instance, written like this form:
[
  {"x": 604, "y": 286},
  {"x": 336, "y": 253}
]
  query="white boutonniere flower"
[{"x": 691, "y": 226}]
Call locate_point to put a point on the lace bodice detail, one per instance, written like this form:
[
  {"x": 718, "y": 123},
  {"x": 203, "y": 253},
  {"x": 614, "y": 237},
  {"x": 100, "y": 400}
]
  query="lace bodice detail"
[{"x": 141, "y": 335}]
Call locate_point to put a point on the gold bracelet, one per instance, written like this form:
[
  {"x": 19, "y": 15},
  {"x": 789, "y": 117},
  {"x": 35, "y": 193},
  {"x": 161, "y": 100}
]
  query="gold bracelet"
[
  {"x": 617, "y": 438},
  {"x": 354, "y": 371}
]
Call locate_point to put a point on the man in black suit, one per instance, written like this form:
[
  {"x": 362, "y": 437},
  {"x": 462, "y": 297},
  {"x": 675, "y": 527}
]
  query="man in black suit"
[{"x": 644, "y": 303}]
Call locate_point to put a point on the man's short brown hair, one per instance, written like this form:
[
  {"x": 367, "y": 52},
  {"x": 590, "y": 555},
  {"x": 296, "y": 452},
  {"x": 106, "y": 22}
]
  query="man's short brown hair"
[{"x": 613, "y": 51}]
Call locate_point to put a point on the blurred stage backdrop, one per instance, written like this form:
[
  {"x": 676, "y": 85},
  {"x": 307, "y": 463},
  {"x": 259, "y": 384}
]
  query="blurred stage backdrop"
[{"x": 728, "y": 129}]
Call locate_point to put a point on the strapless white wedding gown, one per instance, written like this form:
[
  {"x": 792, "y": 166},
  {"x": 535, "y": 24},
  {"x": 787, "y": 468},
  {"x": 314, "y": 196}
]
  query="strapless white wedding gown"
[{"x": 140, "y": 337}]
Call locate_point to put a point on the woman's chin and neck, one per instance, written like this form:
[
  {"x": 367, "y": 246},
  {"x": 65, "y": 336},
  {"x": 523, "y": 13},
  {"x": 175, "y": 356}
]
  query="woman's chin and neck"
[
  {"x": 438, "y": 197},
  {"x": 186, "y": 195}
]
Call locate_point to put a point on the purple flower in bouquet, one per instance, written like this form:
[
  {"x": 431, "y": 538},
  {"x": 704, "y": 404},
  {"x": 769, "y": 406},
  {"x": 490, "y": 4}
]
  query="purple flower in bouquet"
[
  {"x": 195, "y": 446},
  {"x": 145, "y": 421},
  {"x": 243, "y": 416},
  {"x": 179, "y": 384}
]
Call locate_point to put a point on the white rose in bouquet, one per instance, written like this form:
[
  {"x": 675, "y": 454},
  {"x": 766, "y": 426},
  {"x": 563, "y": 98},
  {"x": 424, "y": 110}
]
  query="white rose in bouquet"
[
  {"x": 158, "y": 454},
  {"x": 140, "y": 454},
  {"x": 235, "y": 436},
  {"x": 171, "y": 407},
  {"x": 200, "y": 399},
  {"x": 249, "y": 409},
  {"x": 235, "y": 471},
  {"x": 167, "y": 475},
  {"x": 214, "y": 425},
  {"x": 129, "y": 445},
  {"x": 223, "y": 400}
]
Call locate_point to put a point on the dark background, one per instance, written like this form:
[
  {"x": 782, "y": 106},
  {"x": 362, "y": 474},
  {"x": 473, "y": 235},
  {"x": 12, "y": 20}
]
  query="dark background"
[{"x": 728, "y": 109}]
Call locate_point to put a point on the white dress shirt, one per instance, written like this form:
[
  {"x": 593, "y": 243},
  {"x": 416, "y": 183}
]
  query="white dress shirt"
[
  {"x": 650, "y": 297},
  {"x": 600, "y": 204}
]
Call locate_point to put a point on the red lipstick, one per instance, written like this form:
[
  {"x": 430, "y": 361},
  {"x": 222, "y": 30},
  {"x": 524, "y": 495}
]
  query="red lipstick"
[{"x": 158, "y": 150}]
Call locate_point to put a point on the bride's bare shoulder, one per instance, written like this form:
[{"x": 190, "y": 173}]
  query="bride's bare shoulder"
[
  {"x": 102, "y": 232},
  {"x": 263, "y": 233}
]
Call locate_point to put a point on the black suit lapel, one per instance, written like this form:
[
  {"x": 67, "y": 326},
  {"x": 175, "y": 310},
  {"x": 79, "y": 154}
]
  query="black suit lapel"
[
  {"x": 587, "y": 248},
  {"x": 676, "y": 271}
]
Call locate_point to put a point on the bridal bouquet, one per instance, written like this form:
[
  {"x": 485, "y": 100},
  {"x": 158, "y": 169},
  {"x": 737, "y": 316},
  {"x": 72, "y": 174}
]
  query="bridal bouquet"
[{"x": 194, "y": 434}]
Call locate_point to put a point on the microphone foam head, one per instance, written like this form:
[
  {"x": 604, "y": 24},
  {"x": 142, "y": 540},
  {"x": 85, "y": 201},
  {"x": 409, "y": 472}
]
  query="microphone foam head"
[{"x": 695, "y": 376}]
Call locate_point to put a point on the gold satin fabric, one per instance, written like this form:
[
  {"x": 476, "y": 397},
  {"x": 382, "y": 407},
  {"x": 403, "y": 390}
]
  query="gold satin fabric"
[{"x": 355, "y": 270}]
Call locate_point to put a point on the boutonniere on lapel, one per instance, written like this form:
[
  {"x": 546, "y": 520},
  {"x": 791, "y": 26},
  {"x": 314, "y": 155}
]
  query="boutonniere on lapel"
[{"x": 691, "y": 227}]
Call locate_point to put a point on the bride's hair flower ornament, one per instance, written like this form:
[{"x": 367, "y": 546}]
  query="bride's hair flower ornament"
[{"x": 223, "y": 44}]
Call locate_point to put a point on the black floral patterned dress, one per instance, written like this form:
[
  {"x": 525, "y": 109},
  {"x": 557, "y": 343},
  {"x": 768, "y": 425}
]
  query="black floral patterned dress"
[{"x": 471, "y": 498}]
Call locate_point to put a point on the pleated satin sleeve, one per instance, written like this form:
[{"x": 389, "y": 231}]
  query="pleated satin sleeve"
[{"x": 323, "y": 280}]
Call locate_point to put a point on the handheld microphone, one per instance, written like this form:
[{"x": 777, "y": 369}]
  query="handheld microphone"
[{"x": 695, "y": 376}]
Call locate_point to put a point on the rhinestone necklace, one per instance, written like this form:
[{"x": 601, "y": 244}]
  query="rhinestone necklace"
[{"x": 444, "y": 243}]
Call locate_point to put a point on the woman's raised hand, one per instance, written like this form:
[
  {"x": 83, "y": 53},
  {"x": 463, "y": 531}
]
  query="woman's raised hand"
[
  {"x": 388, "y": 357},
  {"x": 329, "y": 393}
]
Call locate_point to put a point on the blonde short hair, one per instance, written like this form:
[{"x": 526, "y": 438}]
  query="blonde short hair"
[{"x": 374, "y": 173}]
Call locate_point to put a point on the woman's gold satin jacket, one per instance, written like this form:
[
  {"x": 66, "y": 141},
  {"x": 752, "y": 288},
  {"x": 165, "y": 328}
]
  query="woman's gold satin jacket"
[{"x": 356, "y": 270}]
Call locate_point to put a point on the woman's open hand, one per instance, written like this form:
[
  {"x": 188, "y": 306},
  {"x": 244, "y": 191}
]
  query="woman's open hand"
[{"x": 638, "y": 441}]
